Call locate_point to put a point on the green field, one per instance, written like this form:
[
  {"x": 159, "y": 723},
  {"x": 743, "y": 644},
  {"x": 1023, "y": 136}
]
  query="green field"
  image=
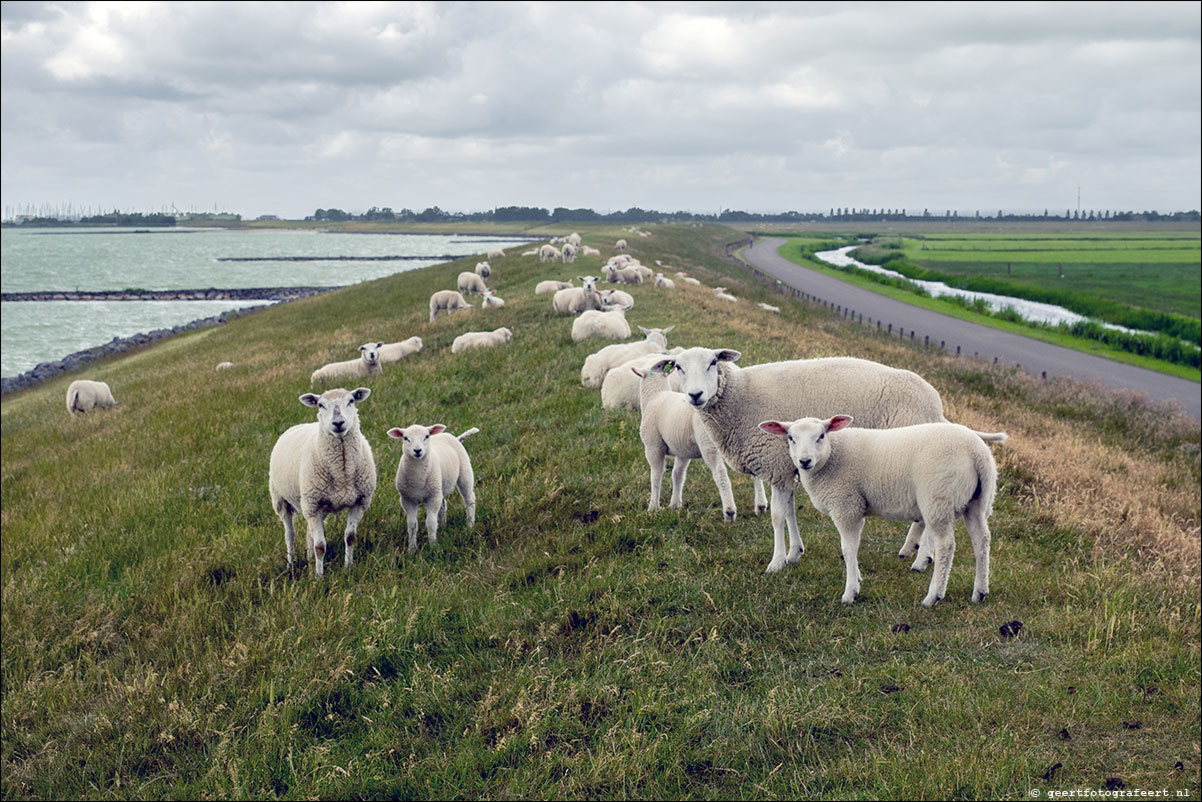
[{"x": 154, "y": 644}]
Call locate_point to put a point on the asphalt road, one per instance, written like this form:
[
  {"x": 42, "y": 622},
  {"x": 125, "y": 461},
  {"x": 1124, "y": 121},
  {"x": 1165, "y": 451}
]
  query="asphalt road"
[{"x": 1034, "y": 356}]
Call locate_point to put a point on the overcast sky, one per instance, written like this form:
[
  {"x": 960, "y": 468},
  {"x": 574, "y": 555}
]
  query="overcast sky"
[{"x": 266, "y": 108}]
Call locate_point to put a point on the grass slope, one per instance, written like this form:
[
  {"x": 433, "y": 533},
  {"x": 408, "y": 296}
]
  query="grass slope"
[{"x": 573, "y": 645}]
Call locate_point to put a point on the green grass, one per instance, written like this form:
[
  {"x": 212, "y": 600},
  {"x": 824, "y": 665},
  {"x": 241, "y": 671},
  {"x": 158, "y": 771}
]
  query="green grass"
[{"x": 572, "y": 645}]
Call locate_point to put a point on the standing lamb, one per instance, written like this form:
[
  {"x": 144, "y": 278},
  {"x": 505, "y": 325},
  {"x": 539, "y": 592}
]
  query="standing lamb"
[
  {"x": 84, "y": 395},
  {"x": 620, "y": 245},
  {"x": 609, "y": 325},
  {"x": 731, "y": 401},
  {"x": 569, "y": 253},
  {"x": 931, "y": 473},
  {"x": 481, "y": 339},
  {"x": 432, "y": 464},
  {"x": 469, "y": 283},
  {"x": 548, "y": 253},
  {"x": 395, "y": 352},
  {"x": 620, "y": 387},
  {"x": 321, "y": 469},
  {"x": 670, "y": 428},
  {"x": 368, "y": 364},
  {"x": 448, "y": 300},
  {"x": 600, "y": 363}
]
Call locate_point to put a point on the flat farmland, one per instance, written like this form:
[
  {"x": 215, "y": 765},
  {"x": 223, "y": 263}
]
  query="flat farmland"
[{"x": 1157, "y": 273}]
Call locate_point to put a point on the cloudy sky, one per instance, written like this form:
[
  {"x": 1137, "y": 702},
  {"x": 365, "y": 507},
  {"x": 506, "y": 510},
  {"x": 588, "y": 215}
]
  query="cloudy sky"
[{"x": 281, "y": 108}]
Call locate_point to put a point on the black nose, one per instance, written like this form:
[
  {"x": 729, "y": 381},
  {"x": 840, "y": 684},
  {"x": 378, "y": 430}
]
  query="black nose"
[
  {"x": 805, "y": 464},
  {"x": 696, "y": 396},
  {"x": 417, "y": 452}
]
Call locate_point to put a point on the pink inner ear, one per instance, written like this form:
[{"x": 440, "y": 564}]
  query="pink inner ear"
[
  {"x": 395, "y": 433},
  {"x": 637, "y": 372},
  {"x": 774, "y": 427},
  {"x": 437, "y": 428},
  {"x": 838, "y": 422}
]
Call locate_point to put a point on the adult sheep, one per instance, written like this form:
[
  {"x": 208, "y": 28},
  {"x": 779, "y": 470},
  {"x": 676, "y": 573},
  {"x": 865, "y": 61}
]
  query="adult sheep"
[
  {"x": 495, "y": 253},
  {"x": 596, "y": 365},
  {"x": 569, "y": 253},
  {"x": 395, "y": 352},
  {"x": 551, "y": 286},
  {"x": 471, "y": 282},
  {"x": 548, "y": 253},
  {"x": 368, "y": 364},
  {"x": 610, "y": 325},
  {"x": 322, "y": 468},
  {"x": 84, "y": 395},
  {"x": 481, "y": 339},
  {"x": 448, "y": 301},
  {"x": 732, "y": 401},
  {"x": 620, "y": 245},
  {"x": 574, "y": 300}
]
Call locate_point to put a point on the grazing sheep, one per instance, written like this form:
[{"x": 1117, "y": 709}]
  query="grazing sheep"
[
  {"x": 574, "y": 239},
  {"x": 609, "y": 325},
  {"x": 495, "y": 253},
  {"x": 368, "y": 364},
  {"x": 670, "y": 428},
  {"x": 732, "y": 401},
  {"x": 548, "y": 253},
  {"x": 432, "y": 464},
  {"x": 491, "y": 301},
  {"x": 321, "y": 469},
  {"x": 551, "y": 286},
  {"x": 84, "y": 395},
  {"x": 483, "y": 269},
  {"x": 600, "y": 363},
  {"x": 481, "y": 339},
  {"x": 768, "y": 307},
  {"x": 620, "y": 245},
  {"x": 620, "y": 387},
  {"x": 224, "y": 365},
  {"x": 617, "y": 298},
  {"x": 446, "y": 300},
  {"x": 931, "y": 473},
  {"x": 469, "y": 283},
  {"x": 569, "y": 253},
  {"x": 395, "y": 352},
  {"x": 664, "y": 283}
]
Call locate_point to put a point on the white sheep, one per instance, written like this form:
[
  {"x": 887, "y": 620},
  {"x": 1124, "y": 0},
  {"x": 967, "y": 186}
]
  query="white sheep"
[
  {"x": 609, "y": 325},
  {"x": 670, "y": 428},
  {"x": 720, "y": 292},
  {"x": 483, "y": 269},
  {"x": 552, "y": 286},
  {"x": 548, "y": 253},
  {"x": 495, "y": 253},
  {"x": 768, "y": 307},
  {"x": 569, "y": 253},
  {"x": 368, "y": 364},
  {"x": 469, "y": 283},
  {"x": 491, "y": 300},
  {"x": 620, "y": 387},
  {"x": 691, "y": 280},
  {"x": 574, "y": 239},
  {"x": 533, "y": 252},
  {"x": 395, "y": 352},
  {"x": 617, "y": 298},
  {"x": 224, "y": 365},
  {"x": 84, "y": 395},
  {"x": 446, "y": 300},
  {"x": 624, "y": 275},
  {"x": 931, "y": 473},
  {"x": 664, "y": 283},
  {"x": 432, "y": 464},
  {"x": 322, "y": 468},
  {"x": 596, "y": 365},
  {"x": 481, "y": 339},
  {"x": 732, "y": 401},
  {"x": 574, "y": 300},
  {"x": 620, "y": 245},
  {"x": 587, "y": 251}
]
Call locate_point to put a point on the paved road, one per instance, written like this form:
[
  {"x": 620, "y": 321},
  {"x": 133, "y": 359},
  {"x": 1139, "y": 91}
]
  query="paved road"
[{"x": 1035, "y": 356}]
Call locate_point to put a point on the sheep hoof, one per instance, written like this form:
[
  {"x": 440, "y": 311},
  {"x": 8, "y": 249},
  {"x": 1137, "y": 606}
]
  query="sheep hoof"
[
  {"x": 930, "y": 601},
  {"x": 977, "y": 598},
  {"x": 920, "y": 565},
  {"x": 848, "y": 600},
  {"x": 774, "y": 567},
  {"x": 793, "y": 559}
]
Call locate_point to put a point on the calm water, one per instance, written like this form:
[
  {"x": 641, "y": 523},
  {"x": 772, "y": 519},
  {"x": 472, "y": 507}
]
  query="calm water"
[{"x": 117, "y": 259}]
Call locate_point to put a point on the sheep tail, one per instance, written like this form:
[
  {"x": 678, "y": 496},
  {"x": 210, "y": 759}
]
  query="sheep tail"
[
  {"x": 468, "y": 433},
  {"x": 994, "y": 437},
  {"x": 71, "y": 407}
]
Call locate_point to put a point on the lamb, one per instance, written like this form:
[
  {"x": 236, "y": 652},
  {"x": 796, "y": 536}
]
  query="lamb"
[
  {"x": 587, "y": 251},
  {"x": 574, "y": 300},
  {"x": 617, "y": 298},
  {"x": 495, "y": 253},
  {"x": 598, "y": 364},
  {"x": 645, "y": 273},
  {"x": 368, "y": 364},
  {"x": 620, "y": 245},
  {"x": 670, "y": 428},
  {"x": 432, "y": 464},
  {"x": 610, "y": 325},
  {"x": 620, "y": 387},
  {"x": 691, "y": 280},
  {"x": 491, "y": 301},
  {"x": 569, "y": 253},
  {"x": 469, "y": 283},
  {"x": 448, "y": 300},
  {"x": 224, "y": 365},
  {"x": 664, "y": 283},
  {"x": 84, "y": 395},
  {"x": 732, "y": 401},
  {"x": 931, "y": 473},
  {"x": 533, "y": 252},
  {"x": 551, "y": 286},
  {"x": 548, "y": 253},
  {"x": 625, "y": 275},
  {"x": 481, "y": 339},
  {"x": 395, "y": 352},
  {"x": 720, "y": 292},
  {"x": 321, "y": 469},
  {"x": 768, "y": 307},
  {"x": 483, "y": 269}
]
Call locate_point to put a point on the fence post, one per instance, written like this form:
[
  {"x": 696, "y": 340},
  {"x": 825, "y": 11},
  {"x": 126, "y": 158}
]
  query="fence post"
[{"x": 957, "y": 350}]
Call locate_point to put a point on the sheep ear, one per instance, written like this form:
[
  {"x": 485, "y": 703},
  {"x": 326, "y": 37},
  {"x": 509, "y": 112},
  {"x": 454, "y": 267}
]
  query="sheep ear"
[
  {"x": 669, "y": 328},
  {"x": 838, "y": 422},
  {"x": 664, "y": 367},
  {"x": 727, "y": 355},
  {"x": 360, "y": 394},
  {"x": 309, "y": 399},
  {"x": 379, "y": 345},
  {"x": 644, "y": 330},
  {"x": 437, "y": 428},
  {"x": 396, "y": 433},
  {"x": 638, "y": 373},
  {"x": 775, "y": 427}
]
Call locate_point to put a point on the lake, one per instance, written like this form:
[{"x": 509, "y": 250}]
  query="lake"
[{"x": 69, "y": 259}]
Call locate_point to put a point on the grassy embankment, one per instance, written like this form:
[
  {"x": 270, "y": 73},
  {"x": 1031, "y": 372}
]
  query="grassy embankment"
[{"x": 154, "y": 645}]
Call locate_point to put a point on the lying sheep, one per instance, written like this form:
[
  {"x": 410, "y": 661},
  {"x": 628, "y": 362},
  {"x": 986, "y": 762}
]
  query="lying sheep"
[
  {"x": 720, "y": 292},
  {"x": 587, "y": 251},
  {"x": 655, "y": 341},
  {"x": 623, "y": 275},
  {"x": 368, "y": 364},
  {"x": 533, "y": 252},
  {"x": 481, "y": 339},
  {"x": 321, "y": 469},
  {"x": 664, "y": 283},
  {"x": 495, "y": 253},
  {"x": 469, "y": 283},
  {"x": 931, "y": 473},
  {"x": 670, "y": 428},
  {"x": 574, "y": 300},
  {"x": 691, "y": 280},
  {"x": 432, "y": 464},
  {"x": 568, "y": 253},
  {"x": 617, "y": 298},
  {"x": 491, "y": 301},
  {"x": 446, "y": 300},
  {"x": 548, "y": 253},
  {"x": 483, "y": 269},
  {"x": 551, "y": 286},
  {"x": 620, "y": 387},
  {"x": 731, "y": 401},
  {"x": 768, "y": 307},
  {"x": 609, "y": 325},
  {"x": 395, "y": 352},
  {"x": 224, "y": 365},
  {"x": 84, "y": 395}
]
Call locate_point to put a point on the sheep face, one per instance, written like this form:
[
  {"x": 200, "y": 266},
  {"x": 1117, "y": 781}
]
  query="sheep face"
[
  {"x": 416, "y": 439},
  {"x": 808, "y": 447},
  {"x": 588, "y": 282},
  {"x": 698, "y": 372},
  {"x": 370, "y": 353},
  {"x": 337, "y": 414}
]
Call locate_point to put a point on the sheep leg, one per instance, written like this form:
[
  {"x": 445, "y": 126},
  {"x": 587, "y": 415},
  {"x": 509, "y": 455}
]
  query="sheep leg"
[
  {"x": 679, "y": 469},
  {"x": 761, "y": 500},
  {"x": 796, "y": 548},
  {"x": 712, "y": 457},
  {"x": 433, "y": 507},
  {"x": 913, "y": 539},
  {"x": 411, "y": 522},
  {"x": 316, "y": 535},
  {"x": 289, "y": 533},
  {"x": 944, "y": 545},
  {"x": 656, "y": 456},
  {"x": 926, "y": 554},
  {"x": 352, "y": 527},
  {"x": 850, "y": 531},
  {"x": 467, "y": 491},
  {"x": 978, "y": 530},
  {"x": 442, "y": 512},
  {"x": 780, "y": 497}
]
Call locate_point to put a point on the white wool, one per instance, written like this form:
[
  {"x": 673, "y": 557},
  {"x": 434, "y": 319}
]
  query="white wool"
[
  {"x": 433, "y": 463},
  {"x": 596, "y": 365},
  {"x": 84, "y": 395},
  {"x": 448, "y": 301},
  {"x": 481, "y": 339},
  {"x": 394, "y": 352},
  {"x": 606, "y": 325},
  {"x": 368, "y": 364}
]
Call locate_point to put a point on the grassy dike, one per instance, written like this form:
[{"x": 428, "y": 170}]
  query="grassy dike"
[{"x": 573, "y": 645}]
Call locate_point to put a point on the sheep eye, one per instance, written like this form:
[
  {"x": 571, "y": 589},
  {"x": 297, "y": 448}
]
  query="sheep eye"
[{"x": 712, "y": 364}]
